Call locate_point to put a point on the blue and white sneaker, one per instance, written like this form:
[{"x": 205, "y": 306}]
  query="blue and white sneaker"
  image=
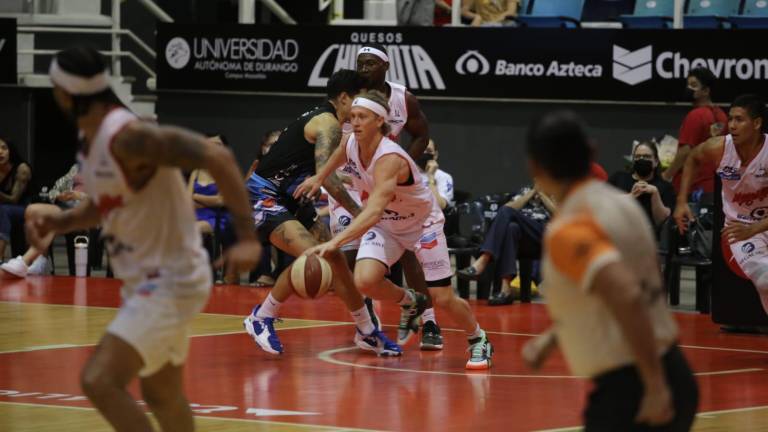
[
  {"x": 262, "y": 330},
  {"x": 378, "y": 343}
]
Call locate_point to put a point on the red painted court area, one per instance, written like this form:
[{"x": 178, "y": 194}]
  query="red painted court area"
[{"x": 333, "y": 384}]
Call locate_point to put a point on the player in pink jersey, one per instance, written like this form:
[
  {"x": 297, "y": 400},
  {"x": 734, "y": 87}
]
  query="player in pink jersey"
[
  {"x": 132, "y": 176},
  {"x": 400, "y": 214}
]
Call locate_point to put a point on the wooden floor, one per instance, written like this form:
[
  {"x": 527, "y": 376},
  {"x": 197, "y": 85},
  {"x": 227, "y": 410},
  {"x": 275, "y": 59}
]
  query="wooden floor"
[{"x": 48, "y": 326}]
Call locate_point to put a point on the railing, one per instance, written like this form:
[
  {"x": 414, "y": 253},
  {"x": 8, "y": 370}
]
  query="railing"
[
  {"x": 116, "y": 32},
  {"x": 113, "y": 54}
]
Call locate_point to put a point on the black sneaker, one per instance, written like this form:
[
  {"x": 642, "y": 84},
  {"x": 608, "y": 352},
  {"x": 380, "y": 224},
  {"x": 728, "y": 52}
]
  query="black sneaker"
[
  {"x": 409, "y": 318},
  {"x": 431, "y": 339}
]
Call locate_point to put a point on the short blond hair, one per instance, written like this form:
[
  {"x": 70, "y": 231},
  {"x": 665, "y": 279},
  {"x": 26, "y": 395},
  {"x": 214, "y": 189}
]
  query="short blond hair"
[{"x": 381, "y": 99}]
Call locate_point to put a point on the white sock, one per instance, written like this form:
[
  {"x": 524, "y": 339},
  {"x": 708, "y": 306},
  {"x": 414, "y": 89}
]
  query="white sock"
[
  {"x": 408, "y": 298},
  {"x": 428, "y": 315},
  {"x": 363, "y": 320},
  {"x": 269, "y": 308},
  {"x": 477, "y": 334}
]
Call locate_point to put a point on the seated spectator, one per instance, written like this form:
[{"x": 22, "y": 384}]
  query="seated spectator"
[
  {"x": 67, "y": 192},
  {"x": 443, "y": 12},
  {"x": 266, "y": 143},
  {"x": 15, "y": 175},
  {"x": 415, "y": 12},
  {"x": 205, "y": 194},
  {"x": 490, "y": 12},
  {"x": 516, "y": 232},
  {"x": 438, "y": 181},
  {"x": 655, "y": 195}
]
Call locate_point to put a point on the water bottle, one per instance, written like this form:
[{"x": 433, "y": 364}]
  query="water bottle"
[
  {"x": 45, "y": 195},
  {"x": 81, "y": 256}
]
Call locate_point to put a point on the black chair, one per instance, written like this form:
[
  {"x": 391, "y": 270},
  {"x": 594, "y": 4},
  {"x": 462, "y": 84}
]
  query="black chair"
[
  {"x": 471, "y": 229},
  {"x": 679, "y": 254},
  {"x": 735, "y": 301}
]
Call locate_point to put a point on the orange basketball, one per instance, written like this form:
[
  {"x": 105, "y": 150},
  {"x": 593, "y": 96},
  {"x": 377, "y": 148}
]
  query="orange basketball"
[{"x": 311, "y": 276}]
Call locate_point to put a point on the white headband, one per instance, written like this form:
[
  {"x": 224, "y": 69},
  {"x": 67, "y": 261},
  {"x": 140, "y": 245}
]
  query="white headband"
[
  {"x": 77, "y": 85},
  {"x": 371, "y": 105},
  {"x": 374, "y": 51}
]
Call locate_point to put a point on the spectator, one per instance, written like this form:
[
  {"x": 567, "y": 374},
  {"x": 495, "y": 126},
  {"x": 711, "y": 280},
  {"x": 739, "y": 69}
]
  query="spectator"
[
  {"x": 655, "y": 195},
  {"x": 266, "y": 143},
  {"x": 443, "y": 12},
  {"x": 15, "y": 175},
  {"x": 415, "y": 12},
  {"x": 704, "y": 121},
  {"x": 490, "y": 12},
  {"x": 438, "y": 181},
  {"x": 205, "y": 194},
  {"x": 66, "y": 193},
  {"x": 516, "y": 232}
]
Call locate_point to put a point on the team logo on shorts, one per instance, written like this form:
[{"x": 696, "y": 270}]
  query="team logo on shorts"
[
  {"x": 428, "y": 241},
  {"x": 748, "y": 247},
  {"x": 370, "y": 235},
  {"x": 344, "y": 220}
]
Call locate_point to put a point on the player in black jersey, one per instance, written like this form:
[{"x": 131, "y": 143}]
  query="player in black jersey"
[{"x": 303, "y": 147}]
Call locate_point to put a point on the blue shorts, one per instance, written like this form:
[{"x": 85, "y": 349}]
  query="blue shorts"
[{"x": 271, "y": 207}]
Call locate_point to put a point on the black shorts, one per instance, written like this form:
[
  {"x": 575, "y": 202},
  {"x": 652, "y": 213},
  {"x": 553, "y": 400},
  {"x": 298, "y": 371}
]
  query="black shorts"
[
  {"x": 271, "y": 207},
  {"x": 615, "y": 401}
]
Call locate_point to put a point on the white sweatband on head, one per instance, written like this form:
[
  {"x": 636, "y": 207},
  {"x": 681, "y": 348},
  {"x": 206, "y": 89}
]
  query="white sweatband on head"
[
  {"x": 374, "y": 51},
  {"x": 77, "y": 85},
  {"x": 371, "y": 105}
]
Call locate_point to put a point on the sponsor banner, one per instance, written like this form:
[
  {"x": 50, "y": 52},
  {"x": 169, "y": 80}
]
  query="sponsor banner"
[
  {"x": 7, "y": 51},
  {"x": 496, "y": 63}
]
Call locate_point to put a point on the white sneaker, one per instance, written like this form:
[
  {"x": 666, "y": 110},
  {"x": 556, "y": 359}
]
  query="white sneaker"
[
  {"x": 15, "y": 267},
  {"x": 41, "y": 266}
]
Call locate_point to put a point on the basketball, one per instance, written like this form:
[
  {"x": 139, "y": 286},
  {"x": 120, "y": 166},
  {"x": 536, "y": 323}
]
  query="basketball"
[{"x": 311, "y": 276}]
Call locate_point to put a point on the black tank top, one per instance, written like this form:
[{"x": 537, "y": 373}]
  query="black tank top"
[
  {"x": 292, "y": 156},
  {"x": 6, "y": 185}
]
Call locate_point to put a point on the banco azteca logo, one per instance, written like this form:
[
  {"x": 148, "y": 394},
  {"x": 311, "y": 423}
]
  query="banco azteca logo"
[
  {"x": 633, "y": 67},
  {"x": 177, "y": 53},
  {"x": 472, "y": 62}
]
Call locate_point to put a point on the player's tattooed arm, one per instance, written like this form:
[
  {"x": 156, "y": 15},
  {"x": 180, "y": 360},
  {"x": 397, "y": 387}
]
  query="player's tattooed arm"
[
  {"x": 327, "y": 139},
  {"x": 140, "y": 145}
]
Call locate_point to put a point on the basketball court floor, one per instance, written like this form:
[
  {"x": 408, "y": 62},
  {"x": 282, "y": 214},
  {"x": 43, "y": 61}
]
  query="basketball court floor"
[{"x": 49, "y": 325}]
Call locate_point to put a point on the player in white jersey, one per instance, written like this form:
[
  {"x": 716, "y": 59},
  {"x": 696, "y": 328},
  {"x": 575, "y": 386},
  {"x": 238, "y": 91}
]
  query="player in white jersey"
[
  {"x": 604, "y": 292},
  {"x": 741, "y": 158},
  {"x": 400, "y": 214},
  {"x": 132, "y": 176},
  {"x": 404, "y": 114}
]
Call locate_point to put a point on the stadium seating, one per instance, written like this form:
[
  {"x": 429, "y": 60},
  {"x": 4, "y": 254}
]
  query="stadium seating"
[
  {"x": 553, "y": 13},
  {"x": 650, "y": 14},
  {"x": 754, "y": 15},
  {"x": 710, "y": 13}
]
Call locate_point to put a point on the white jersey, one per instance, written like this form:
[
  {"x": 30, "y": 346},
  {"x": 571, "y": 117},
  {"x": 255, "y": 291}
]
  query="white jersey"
[
  {"x": 398, "y": 110},
  {"x": 413, "y": 206},
  {"x": 147, "y": 231},
  {"x": 745, "y": 188}
]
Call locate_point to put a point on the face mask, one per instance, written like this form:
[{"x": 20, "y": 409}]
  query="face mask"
[
  {"x": 643, "y": 167},
  {"x": 422, "y": 161},
  {"x": 689, "y": 93}
]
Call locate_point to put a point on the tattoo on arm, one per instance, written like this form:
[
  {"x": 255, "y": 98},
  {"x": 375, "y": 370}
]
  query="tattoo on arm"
[
  {"x": 336, "y": 189},
  {"x": 165, "y": 145},
  {"x": 326, "y": 142}
]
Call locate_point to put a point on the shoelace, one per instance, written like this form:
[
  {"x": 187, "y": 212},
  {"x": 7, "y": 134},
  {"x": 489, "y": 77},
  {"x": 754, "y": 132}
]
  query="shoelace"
[{"x": 477, "y": 349}]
